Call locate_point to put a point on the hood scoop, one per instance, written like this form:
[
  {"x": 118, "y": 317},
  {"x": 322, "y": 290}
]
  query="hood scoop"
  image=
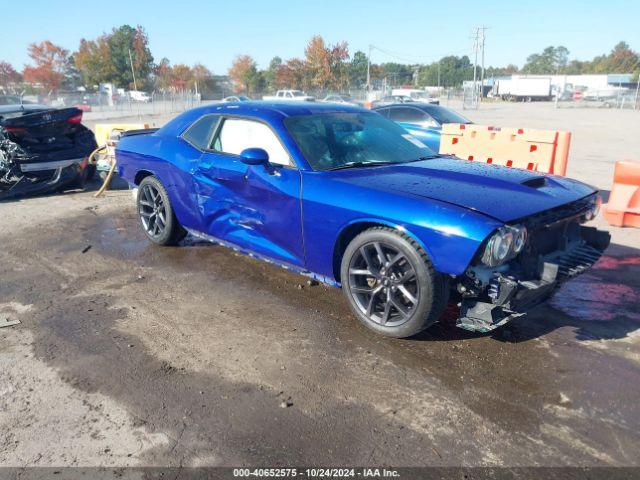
[{"x": 535, "y": 182}]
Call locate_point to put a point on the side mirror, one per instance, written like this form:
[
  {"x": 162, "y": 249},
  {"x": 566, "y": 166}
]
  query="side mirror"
[{"x": 254, "y": 156}]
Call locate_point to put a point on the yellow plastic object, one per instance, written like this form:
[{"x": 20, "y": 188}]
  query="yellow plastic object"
[
  {"x": 539, "y": 150},
  {"x": 103, "y": 130}
]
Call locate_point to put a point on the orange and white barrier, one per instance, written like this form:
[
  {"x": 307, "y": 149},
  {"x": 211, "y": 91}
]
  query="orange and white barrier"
[
  {"x": 538, "y": 150},
  {"x": 623, "y": 209}
]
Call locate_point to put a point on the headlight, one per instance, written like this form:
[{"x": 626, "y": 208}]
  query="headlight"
[
  {"x": 594, "y": 208},
  {"x": 504, "y": 244},
  {"x": 520, "y": 239}
]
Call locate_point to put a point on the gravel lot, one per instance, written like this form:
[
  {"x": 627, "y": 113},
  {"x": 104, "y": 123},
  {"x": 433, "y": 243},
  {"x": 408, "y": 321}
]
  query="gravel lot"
[{"x": 130, "y": 355}]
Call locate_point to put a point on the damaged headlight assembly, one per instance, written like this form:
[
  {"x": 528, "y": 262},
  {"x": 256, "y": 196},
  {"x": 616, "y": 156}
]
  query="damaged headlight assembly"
[
  {"x": 504, "y": 244},
  {"x": 594, "y": 209}
]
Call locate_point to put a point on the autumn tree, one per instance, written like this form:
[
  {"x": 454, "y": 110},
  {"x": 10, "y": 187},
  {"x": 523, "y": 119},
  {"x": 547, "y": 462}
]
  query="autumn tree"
[
  {"x": 93, "y": 61},
  {"x": 204, "y": 80},
  {"x": 50, "y": 65},
  {"x": 8, "y": 74},
  {"x": 243, "y": 72},
  {"x": 317, "y": 62},
  {"x": 162, "y": 74},
  {"x": 338, "y": 66},
  {"x": 181, "y": 76},
  {"x": 292, "y": 74}
]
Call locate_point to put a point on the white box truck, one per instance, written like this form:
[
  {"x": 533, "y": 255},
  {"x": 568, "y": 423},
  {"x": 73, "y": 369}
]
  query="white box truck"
[{"x": 523, "y": 89}]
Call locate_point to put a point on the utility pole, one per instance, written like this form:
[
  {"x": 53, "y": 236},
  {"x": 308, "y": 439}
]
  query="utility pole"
[
  {"x": 135, "y": 86},
  {"x": 369, "y": 70},
  {"x": 635, "y": 107},
  {"x": 476, "y": 42},
  {"x": 439, "y": 75},
  {"x": 482, "y": 39}
]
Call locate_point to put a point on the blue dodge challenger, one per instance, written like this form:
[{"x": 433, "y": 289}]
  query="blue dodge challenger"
[{"x": 348, "y": 197}]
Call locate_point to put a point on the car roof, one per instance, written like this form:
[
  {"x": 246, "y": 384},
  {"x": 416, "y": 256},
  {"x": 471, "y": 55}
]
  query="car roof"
[
  {"x": 427, "y": 107},
  {"x": 269, "y": 111},
  {"x": 284, "y": 108}
]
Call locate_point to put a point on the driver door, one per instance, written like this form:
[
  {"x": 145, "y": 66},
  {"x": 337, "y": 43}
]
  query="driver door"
[{"x": 253, "y": 207}]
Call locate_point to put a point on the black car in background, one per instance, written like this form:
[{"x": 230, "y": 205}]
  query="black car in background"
[{"x": 42, "y": 149}]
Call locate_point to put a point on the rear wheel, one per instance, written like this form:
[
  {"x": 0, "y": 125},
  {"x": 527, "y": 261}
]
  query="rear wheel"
[
  {"x": 156, "y": 214},
  {"x": 391, "y": 284}
]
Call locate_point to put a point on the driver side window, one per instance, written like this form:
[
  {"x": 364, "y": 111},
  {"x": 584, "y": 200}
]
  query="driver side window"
[{"x": 237, "y": 134}]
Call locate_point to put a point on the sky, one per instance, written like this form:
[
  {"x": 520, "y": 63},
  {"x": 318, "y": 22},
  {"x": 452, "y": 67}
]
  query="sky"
[{"x": 214, "y": 32}]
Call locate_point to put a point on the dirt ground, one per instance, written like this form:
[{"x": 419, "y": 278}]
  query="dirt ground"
[{"x": 134, "y": 355}]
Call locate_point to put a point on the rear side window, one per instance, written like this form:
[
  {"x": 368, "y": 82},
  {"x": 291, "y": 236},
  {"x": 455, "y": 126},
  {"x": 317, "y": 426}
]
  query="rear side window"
[
  {"x": 200, "y": 132},
  {"x": 237, "y": 134},
  {"x": 407, "y": 115}
]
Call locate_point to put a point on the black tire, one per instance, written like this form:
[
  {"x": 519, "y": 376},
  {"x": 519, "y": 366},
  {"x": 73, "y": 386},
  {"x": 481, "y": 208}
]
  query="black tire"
[
  {"x": 116, "y": 182},
  {"x": 157, "y": 218},
  {"x": 88, "y": 173},
  {"x": 417, "y": 306}
]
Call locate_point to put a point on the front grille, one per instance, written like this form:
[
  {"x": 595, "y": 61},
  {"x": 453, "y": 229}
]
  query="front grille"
[
  {"x": 577, "y": 260},
  {"x": 563, "y": 212}
]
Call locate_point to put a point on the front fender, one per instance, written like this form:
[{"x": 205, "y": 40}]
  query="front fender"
[{"x": 449, "y": 234}]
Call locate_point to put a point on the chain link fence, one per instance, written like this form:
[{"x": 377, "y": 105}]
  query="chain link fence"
[
  {"x": 99, "y": 105},
  {"x": 613, "y": 98}
]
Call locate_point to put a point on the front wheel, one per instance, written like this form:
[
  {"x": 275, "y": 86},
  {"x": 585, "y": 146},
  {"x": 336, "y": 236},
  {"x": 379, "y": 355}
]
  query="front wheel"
[
  {"x": 157, "y": 217},
  {"x": 391, "y": 284}
]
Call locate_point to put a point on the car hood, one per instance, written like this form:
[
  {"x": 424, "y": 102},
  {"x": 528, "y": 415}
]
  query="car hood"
[{"x": 503, "y": 193}]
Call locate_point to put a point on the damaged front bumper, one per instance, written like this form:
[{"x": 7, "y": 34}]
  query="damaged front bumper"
[
  {"x": 491, "y": 298},
  {"x": 37, "y": 182}
]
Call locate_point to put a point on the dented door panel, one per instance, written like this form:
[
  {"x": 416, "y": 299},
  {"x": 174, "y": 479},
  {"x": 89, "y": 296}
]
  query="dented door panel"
[{"x": 253, "y": 207}]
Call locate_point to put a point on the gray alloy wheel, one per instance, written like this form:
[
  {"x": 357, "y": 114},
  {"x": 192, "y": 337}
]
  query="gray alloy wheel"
[
  {"x": 390, "y": 283},
  {"x": 383, "y": 283},
  {"x": 156, "y": 214},
  {"x": 153, "y": 214}
]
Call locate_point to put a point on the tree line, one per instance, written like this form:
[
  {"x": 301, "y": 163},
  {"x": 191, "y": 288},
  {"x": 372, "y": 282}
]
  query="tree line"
[
  {"x": 107, "y": 59},
  {"x": 324, "y": 67}
]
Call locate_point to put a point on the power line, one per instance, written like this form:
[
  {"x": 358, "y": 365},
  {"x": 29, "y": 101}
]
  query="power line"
[
  {"x": 411, "y": 58},
  {"x": 478, "y": 37}
]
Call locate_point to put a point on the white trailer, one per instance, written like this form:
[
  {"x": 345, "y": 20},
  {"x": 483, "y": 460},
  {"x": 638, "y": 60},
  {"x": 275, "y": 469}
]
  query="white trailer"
[{"x": 522, "y": 89}]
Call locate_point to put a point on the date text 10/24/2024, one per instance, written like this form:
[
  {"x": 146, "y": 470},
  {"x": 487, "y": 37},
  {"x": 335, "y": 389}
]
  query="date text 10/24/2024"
[{"x": 316, "y": 472}]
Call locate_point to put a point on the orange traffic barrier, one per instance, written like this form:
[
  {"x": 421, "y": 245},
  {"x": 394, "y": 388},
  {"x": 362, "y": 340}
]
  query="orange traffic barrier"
[
  {"x": 623, "y": 209},
  {"x": 539, "y": 150}
]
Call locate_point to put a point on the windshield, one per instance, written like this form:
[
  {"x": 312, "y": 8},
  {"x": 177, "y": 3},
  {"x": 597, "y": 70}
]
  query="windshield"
[
  {"x": 445, "y": 115},
  {"x": 336, "y": 140}
]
